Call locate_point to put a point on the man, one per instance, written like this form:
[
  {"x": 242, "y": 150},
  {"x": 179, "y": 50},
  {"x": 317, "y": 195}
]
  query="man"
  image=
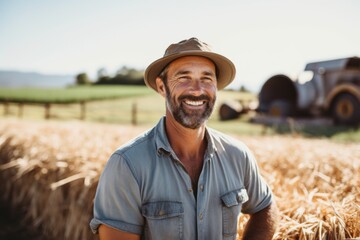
[{"x": 181, "y": 179}]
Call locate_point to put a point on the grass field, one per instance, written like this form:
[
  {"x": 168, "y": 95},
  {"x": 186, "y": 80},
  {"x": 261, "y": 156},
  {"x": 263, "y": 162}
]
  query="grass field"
[{"x": 70, "y": 94}]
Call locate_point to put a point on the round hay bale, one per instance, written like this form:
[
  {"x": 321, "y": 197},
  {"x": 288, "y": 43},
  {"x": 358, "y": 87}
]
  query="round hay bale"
[{"x": 230, "y": 110}]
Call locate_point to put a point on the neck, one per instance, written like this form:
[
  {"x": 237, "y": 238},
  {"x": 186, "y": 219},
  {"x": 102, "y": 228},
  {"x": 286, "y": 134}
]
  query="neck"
[
  {"x": 189, "y": 146},
  {"x": 186, "y": 142}
]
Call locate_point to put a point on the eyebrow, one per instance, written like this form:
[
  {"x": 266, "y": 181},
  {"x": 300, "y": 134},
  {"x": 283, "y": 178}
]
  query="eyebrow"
[
  {"x": 185, "y": 72},
  {"x": 207, "y": 73}
]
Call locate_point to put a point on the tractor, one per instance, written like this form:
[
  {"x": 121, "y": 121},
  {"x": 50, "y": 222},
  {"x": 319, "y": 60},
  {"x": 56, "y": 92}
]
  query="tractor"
[{"x": 325, "y": 89}]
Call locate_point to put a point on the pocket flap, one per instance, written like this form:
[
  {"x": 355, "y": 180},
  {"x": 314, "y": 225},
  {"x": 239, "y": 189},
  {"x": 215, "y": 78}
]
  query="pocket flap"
[
  {"x": 235, "y": 197},
  {"x": 162, "y": 209}
]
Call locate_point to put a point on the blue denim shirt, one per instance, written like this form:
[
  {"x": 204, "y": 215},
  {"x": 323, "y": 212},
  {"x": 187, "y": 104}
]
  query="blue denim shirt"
[{"x": 145, "y": 189}]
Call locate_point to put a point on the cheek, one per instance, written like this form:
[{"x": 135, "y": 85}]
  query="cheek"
[
  {"x": 177, "y": 89},
  {"x": 170, "y": 94},
  {"x": 212, "y": 90},
  {"x": 214, "y": 87}
]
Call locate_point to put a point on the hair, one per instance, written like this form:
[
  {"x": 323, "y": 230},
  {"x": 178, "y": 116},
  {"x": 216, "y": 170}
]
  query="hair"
[{"x": 163, "y": 74}]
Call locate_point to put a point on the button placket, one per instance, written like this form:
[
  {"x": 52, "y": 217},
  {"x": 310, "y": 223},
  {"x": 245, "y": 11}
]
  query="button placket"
[{"x": 182, "y": 172}]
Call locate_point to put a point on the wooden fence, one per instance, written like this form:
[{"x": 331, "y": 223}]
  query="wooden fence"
[
  {"x": 49, "y": 105},
  {"x": 47, "y": 108}
]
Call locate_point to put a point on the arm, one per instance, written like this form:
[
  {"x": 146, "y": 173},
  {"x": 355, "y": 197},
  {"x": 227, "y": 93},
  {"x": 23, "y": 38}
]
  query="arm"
[
  {"x": 263, "y": 224},
  {"x": 117, "y": 200},
  {"x": 108, "y": 233}
]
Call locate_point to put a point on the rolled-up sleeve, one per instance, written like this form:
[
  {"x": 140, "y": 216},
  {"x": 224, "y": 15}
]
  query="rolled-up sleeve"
[
  {"x": 260, "y": 194},
  {"x": 117, "y": 202}
]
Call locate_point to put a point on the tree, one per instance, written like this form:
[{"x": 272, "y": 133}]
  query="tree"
[
  {"x": 123, "y": 76},
  {"x": 101, "y": 73},
  {"x": 243, "y": 89},
  {"x": 82, "y": 79}
]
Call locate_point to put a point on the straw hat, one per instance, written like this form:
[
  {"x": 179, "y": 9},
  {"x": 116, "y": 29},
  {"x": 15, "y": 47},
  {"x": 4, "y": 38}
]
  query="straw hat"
[{"x": 191, "y": 47}]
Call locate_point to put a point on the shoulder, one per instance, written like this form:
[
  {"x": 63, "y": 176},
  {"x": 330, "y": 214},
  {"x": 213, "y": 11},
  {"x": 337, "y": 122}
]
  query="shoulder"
[
  {"x": 137, "y": 145},
  {"x": 227, "y": 143},
  {"x": 136, "y": 156},
  {"x": 232, "y": 152},
  {"x": 132, "y": 151}
]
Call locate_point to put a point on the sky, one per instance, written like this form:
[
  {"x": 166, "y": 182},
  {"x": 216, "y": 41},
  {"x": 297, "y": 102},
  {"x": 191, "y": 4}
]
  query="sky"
[{"x": 261, "y": 37}]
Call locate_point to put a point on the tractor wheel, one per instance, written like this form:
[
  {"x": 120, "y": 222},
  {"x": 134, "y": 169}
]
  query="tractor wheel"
[
  {"x": 346, "y": 110},
  {"x": 281, "y": 108}
]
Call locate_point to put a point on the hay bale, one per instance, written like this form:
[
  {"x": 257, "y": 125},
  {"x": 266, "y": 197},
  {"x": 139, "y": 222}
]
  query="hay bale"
[{"x": 230, "y": 110}]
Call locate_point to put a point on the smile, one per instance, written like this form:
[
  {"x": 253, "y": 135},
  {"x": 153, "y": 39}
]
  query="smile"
[{"x": 194, "y": 103}]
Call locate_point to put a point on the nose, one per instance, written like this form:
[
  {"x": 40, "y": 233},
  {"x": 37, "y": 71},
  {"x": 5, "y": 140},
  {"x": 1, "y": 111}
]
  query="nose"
[{"x": 196, "y": 87}]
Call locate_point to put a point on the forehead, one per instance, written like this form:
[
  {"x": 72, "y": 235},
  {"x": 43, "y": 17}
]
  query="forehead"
[{"x": 188, "y": 62}]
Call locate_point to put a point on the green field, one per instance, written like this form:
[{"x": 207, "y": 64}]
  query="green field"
[
  {"x": 142, "y": 106},
  {"x": 71, "y": 94}
]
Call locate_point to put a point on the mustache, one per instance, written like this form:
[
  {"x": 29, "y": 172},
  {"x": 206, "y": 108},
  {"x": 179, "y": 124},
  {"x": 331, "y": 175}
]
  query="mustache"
[{"x": 202, "y": 97}]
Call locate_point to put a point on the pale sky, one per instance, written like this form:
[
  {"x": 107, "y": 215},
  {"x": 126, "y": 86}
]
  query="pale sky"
[{"x": 261, "y": 37}]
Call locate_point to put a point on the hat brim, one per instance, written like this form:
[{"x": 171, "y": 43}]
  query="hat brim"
[{"x": 225, "y": 68}]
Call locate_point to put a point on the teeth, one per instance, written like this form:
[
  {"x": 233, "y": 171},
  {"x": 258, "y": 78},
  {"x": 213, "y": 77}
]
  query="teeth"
[{"x": 194, "y": 103}]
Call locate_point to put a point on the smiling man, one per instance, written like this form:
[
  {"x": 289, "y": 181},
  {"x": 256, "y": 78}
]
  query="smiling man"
[{"x": 181, "y": 179}]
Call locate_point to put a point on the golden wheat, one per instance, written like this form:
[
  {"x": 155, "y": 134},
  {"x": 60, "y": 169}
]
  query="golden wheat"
[{"x": 50, "y": 170}]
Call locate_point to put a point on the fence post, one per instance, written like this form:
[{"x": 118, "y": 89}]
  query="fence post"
[
  {"x": 6, "y": 108},
  {"x": 134, "y": 114},
  {"x": 21, "y": 110},
  {"x": 47, "y": 110},
  {"x": 83, "y": 110}
]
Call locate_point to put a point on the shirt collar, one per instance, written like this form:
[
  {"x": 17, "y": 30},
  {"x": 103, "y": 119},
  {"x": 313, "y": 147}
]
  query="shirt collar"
[
  {"x": 163, "y": 146},
  {"x": 161, "y": 141}
]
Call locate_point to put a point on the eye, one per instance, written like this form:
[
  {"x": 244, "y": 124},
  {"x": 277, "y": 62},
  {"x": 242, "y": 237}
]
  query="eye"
[
  {"x": 183, "y": 78},
  {"x": 207, "y": 79}
]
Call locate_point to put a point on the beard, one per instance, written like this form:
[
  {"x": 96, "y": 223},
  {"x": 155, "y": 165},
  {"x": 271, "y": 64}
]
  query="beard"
[{"x": 189, "y": 118}]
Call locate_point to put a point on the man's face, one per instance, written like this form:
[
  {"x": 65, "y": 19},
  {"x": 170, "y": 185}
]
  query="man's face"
[{"x": 191, "y": 90}]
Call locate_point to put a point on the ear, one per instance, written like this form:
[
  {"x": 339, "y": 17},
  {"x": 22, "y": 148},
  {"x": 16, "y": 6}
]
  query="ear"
[{"x": 160, "y": 87}]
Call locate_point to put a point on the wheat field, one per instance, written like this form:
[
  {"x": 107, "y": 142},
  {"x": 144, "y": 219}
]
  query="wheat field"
[{"x": 49, "y": 172}]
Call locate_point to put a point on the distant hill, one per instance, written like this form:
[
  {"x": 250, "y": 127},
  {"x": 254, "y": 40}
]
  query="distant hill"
[{"x": 32, "y": 79}]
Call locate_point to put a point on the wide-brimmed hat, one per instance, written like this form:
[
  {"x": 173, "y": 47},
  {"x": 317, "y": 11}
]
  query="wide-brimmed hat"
[{"x": 191, "y": 47}]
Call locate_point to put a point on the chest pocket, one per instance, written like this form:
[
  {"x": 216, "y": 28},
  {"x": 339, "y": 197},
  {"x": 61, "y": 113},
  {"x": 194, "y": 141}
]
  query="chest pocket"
[
  {"x": 232, "y": 202},
  {"x": 164, "y": 220}
]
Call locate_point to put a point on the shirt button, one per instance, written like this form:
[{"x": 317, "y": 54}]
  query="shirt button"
[
  {"x": 201, "y": 216},
  {"x": 190, "y": 190},
  {"x": 202, "y": 187}
]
